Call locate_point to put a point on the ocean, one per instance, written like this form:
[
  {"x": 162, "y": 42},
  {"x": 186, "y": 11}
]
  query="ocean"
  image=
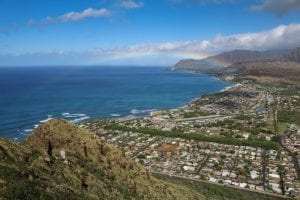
[{"x": 30, "y": 96}]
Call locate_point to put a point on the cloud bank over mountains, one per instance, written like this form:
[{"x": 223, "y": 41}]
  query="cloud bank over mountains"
[
  {"x": 281, "y": 37},
  {"x": 167, "y": 53}
]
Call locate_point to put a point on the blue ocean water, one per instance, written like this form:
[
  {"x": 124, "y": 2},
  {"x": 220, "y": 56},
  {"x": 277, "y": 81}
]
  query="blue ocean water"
[{"x": 31, "y": 95}]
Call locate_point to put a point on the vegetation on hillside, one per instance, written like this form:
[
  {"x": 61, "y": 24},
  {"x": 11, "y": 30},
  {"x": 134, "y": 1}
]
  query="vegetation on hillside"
[
  {"x": 197, "y": 114},
  {"x": 62, "y": 161}
]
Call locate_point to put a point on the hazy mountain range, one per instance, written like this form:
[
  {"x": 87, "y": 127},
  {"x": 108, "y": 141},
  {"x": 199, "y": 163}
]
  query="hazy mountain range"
[{"x": 283, "y": 64}]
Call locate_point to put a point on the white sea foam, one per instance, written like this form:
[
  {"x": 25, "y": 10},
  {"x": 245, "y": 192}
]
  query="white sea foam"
[
  {"x": 75, "y": 118},
  {"x": 136, "y": 111},
  {"x": 115, "y": 115},
  {"x": 78, "y": 116},
  {"x": 80, "y": 119},
  {"x": 230, "y": 87},
  {"x": 68, "y": 115},
  {"x": 46, "y": 120}
]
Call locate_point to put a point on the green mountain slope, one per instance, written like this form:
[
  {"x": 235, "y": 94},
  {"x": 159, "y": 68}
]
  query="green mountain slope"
[{"x": 62, "y": 161}]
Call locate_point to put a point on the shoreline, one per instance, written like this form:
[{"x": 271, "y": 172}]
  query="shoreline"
[
  {"x": 148, "y": 114},
  {"x": 22, "y": 133}
]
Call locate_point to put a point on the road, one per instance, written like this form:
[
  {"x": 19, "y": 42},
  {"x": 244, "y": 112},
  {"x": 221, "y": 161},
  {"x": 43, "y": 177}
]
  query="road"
[
  {"x": 295, "y": 160},
  {"x": 210, "y": 117},
  {"x": 230, "y": 186}
]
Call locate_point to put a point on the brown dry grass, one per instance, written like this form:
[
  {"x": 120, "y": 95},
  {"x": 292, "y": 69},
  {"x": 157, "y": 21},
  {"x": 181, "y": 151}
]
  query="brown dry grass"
[{"x": 169, "y": 148}]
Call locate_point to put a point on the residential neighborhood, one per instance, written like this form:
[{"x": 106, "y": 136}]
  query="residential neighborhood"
[{"x": 245, "y": 112}]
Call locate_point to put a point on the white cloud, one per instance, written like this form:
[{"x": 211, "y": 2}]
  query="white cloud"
[
  {"x": 130, "y": 4},
  {"x": 73, "y": 16},
  {"x": 278, "y": 7},
  {"x": 168, "y": 53},
  {"x": 281, "y": 37},
  {"x": 89, "y": 12}
]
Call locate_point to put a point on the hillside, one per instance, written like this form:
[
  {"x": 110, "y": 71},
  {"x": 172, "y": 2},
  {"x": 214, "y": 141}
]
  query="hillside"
[
  {"x": 278, "y": 66},
  {"x": 203, "y": 66},
  {"x": 267, "y": 71},
  {"x": 214, "y": 64},
  {"x": 292, "y": 56},
  {"x": 62, "y": 161},
  {"x": 285, "y": 69}
]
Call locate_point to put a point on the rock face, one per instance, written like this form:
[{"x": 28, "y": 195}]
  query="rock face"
[
  {"x": 62, "y": 161},
  {"x": 214, "y": 64}
]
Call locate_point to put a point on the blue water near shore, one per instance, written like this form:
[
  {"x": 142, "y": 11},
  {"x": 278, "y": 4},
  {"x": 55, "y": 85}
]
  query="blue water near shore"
[{"x": 31, "y": 95}]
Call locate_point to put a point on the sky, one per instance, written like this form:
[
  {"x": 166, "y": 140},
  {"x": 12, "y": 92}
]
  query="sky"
[{"x": 141, "y": 32}]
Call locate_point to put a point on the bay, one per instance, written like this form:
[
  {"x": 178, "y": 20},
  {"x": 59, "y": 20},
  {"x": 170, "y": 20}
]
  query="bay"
[{"x": 32, "y": 95}]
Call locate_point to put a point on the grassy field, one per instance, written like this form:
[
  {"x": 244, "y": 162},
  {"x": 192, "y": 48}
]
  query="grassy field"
[
  {"x": 287, "y": 116},
  {"x": 197, "y": 114}
]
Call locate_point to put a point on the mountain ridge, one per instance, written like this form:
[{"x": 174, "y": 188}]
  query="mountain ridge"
[
  {"x": 280, "y": 66},
  {"x": 213, "y": 64}
]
